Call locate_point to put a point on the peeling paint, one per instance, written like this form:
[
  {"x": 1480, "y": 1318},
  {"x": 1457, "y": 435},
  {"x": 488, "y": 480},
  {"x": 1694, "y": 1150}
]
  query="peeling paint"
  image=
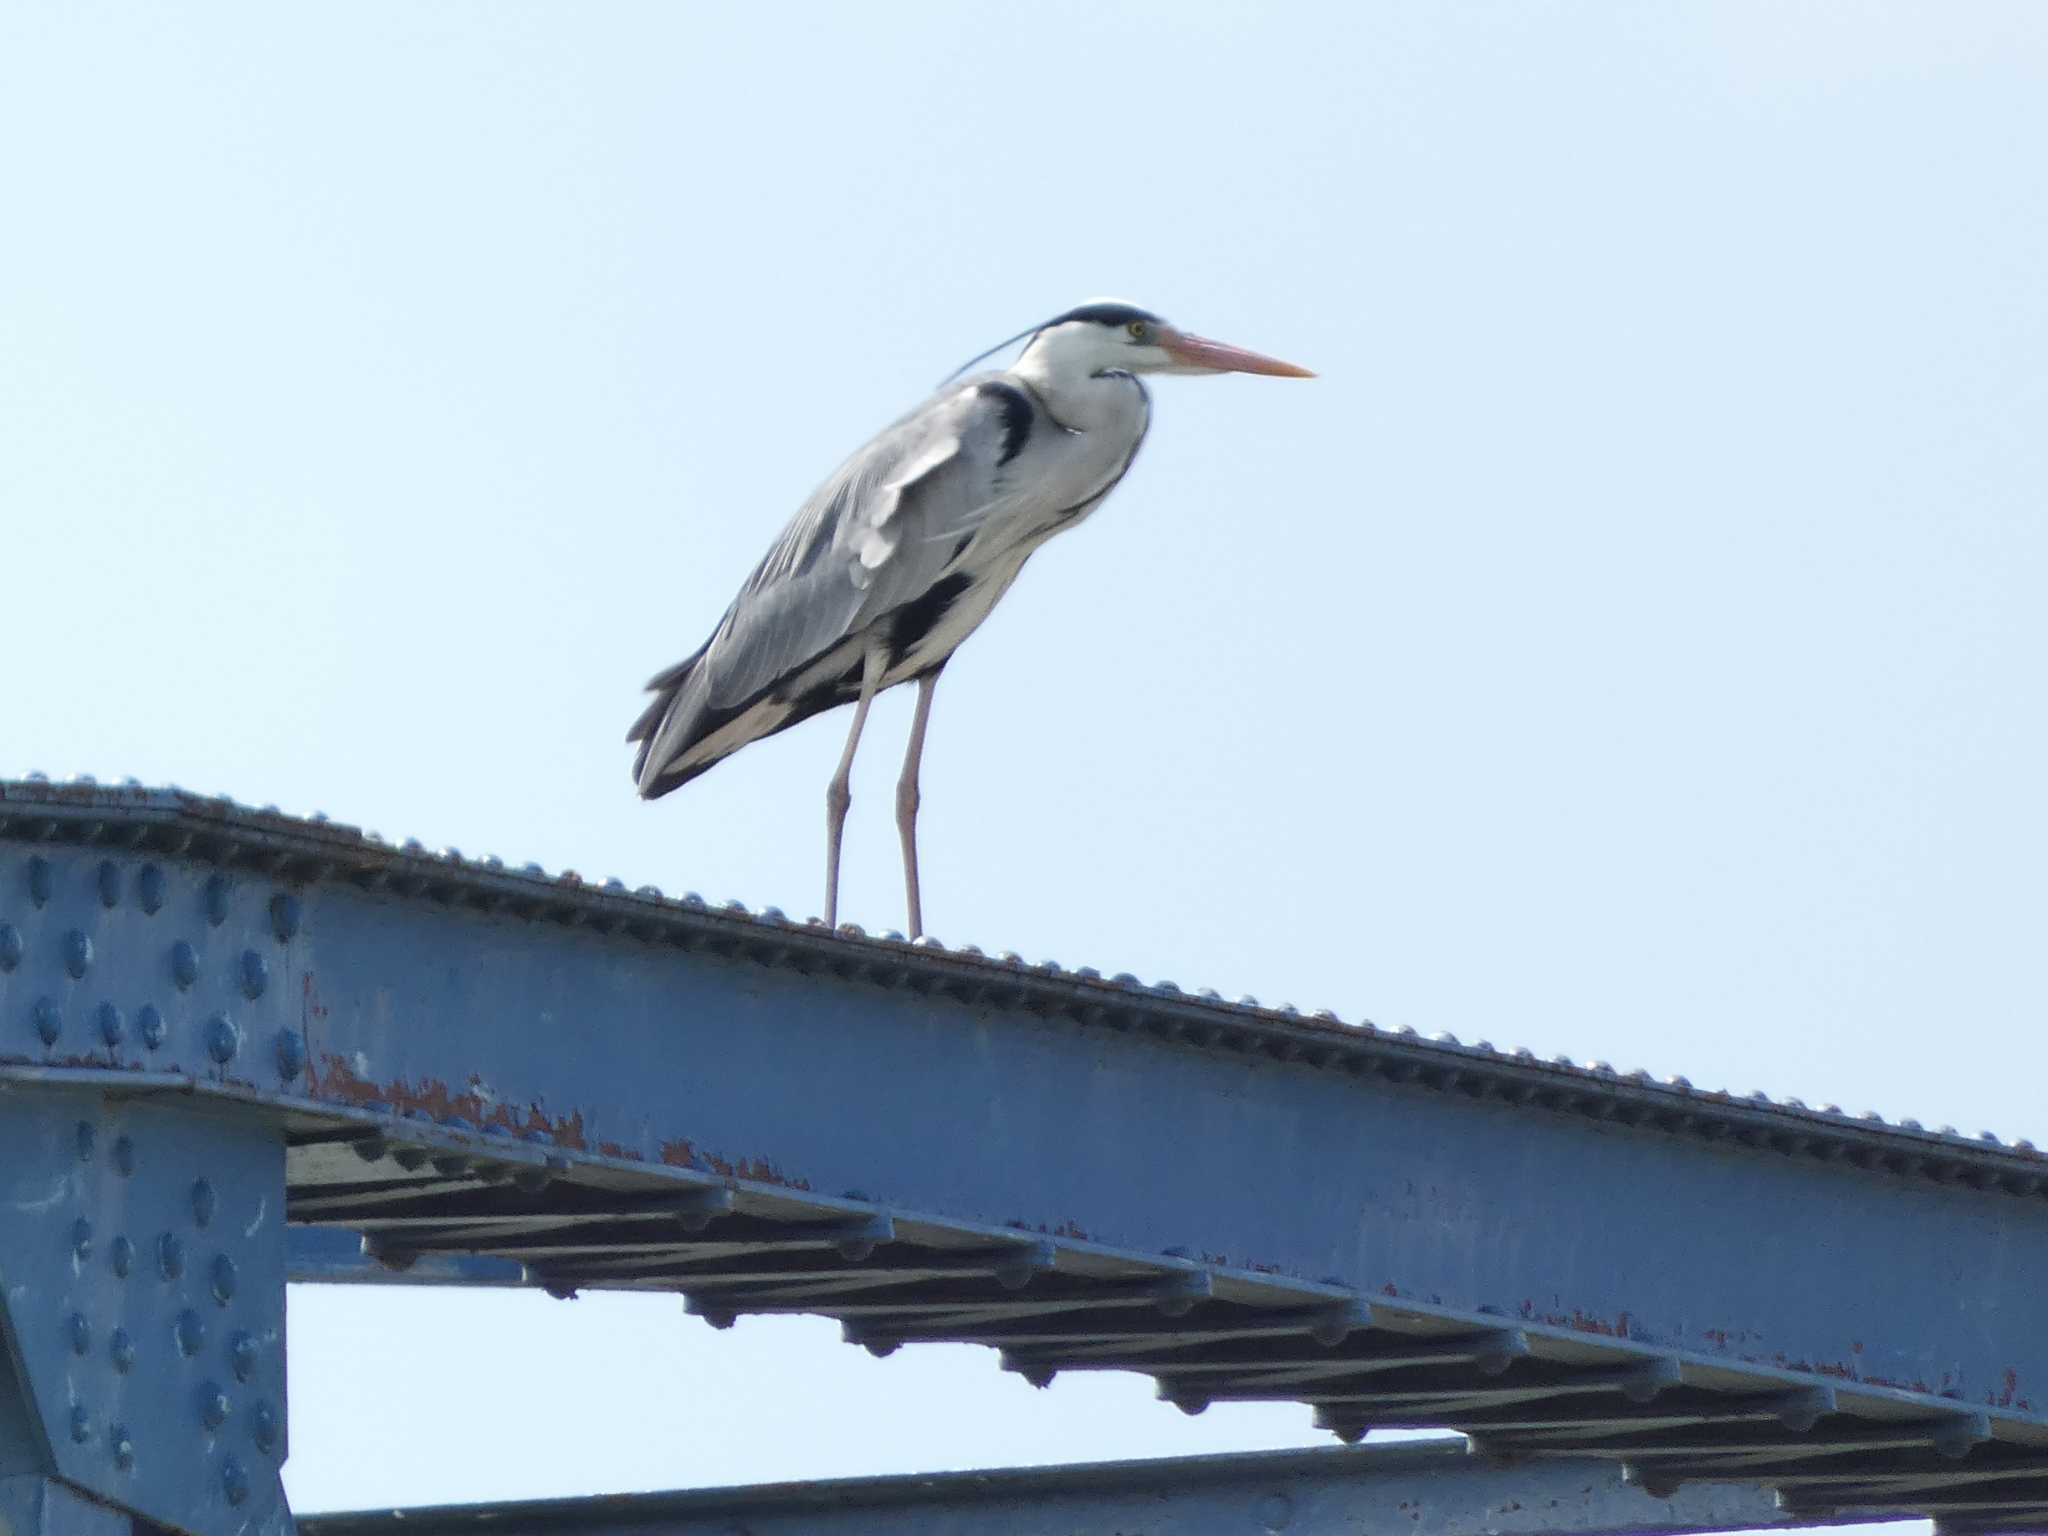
[
  {"x": 335, "y": 1079},
  {"x": 756, "y": 1170}
]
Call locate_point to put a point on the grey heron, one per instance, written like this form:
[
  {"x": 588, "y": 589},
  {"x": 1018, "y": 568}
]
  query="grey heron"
[{"x": 899, "y": 556}]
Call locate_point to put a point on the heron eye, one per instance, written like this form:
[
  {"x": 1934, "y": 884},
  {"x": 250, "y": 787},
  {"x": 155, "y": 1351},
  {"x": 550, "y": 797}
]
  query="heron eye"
[{"x": 1137, "y": 330}]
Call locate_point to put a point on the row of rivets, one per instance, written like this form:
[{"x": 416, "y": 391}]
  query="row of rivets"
[
  {"x": 223, "y": 1039},
  {"x": 48, "y": 1017},
  {"x": 149, "y": 888}
]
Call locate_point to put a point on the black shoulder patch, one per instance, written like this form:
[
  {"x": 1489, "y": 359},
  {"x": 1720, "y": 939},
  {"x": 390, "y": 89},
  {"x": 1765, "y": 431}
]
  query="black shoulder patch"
[
  {"x": 1016, "y": 411},
  {"x": 920, "y": 616},
  {"x": 1113, "y": 315}
]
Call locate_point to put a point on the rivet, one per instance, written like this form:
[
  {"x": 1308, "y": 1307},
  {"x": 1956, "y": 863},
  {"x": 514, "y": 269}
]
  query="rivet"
[
  {"x": 81, "y": 1425},
  {"x": 263, "y": 1427},
  {"x": 81, "y": 1240},
  {"x": 202, "y": 1201},
  {"x": 217, "y": 900},
  {"x": 149, "y": 889},
  {"x": 77, "y": 953},
  {"x": 10, "y": 947},
  {"x": 122, "y": 1446},
  {"x": 121, "y": 1254},
  {"x": 121, "y": 1350},
  {"x": 113, "y": 1028},
  {"x": 124, "y": 1154},
  {"x": 39, "y": 880},
  {"x": 170, "y": 1256},
  {"x": 86, "y": 1137},
  {"x": 149, "y": 1023},
  {"x": 213, "y": 1405},
  {"x": 284, "y": 917},
  {"x": 242, "y": 1354},
  {"x": 79, "y": 1331},
  {"x": 110, "y": 883},
  {"x": 49, "y": 1020},
  {"x": 255, "y": 974},
  {"x": 191, "y": 1332},
  {"x": 222, "y": 1038},
  {"x": 184, "y": 964},
  {"x": 223, "y": 1277},
  {"x": 234, "y": 1481},
  {"x": 291, "y": 1054}
]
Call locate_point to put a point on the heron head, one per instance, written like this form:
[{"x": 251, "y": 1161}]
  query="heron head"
[{"x": 1111, "y": 336}]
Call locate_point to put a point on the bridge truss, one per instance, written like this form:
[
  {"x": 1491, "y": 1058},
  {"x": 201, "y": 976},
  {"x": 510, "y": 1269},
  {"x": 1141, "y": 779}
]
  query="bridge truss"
[{"x": 238, "y": 1047}]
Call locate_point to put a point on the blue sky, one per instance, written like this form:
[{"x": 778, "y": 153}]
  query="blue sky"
[{"x": 1630, "y": 647}]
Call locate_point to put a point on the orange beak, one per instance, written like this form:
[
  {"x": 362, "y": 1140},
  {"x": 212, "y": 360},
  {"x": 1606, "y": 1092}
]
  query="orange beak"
[{"x": 1201, "y": 355}]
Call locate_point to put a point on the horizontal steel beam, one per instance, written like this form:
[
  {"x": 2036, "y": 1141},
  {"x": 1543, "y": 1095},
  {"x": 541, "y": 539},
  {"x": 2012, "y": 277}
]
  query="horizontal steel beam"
[
  {"x": 1392, "y": 1490},
  {"x": 484, "y": 1076}
]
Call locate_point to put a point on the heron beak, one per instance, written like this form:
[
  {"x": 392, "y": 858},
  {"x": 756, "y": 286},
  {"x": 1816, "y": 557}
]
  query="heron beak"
[{"x": 1202, "y": 355}]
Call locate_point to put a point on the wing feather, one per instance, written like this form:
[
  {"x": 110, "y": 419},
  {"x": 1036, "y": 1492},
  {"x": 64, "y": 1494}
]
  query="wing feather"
[{"x": 876, "y": 535}]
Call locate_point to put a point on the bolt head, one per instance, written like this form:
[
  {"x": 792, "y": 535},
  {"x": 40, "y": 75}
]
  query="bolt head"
[
  {"x": 122, "y": 1445},
  {"x": 285, "y": 916},
  {"x": 110, "y": 883},
  {"x": 191, "y": 1333},
  {"x": 291, "y": 1054},
  {"x": 49, "y": 1020},
  {"x": 11, "y": 948},
  {"x": 40, "y": 880},
  {"x": 121, "y": 1254},
  {"x": 170, "y": 1256},
  {"x": 222, "y": 1278},
  {"x": 149, "y": 1023},
  {"x": 213, "y": 1405},
  {"x": 149, "y": 889},
  {"x": 124, "y": 1154},
  {"x": 77, "y": 953},
  {"x": 81, "y": 1424},
  {"x": 242, "y": 1354},
  {"x": 234, "y": 1482},
  {"x": 80, "y": 1333},
  {"x": 113, "y": 1028},
  {"x": 217, "y": 900},
  {"x": 223, "y": 1039},
  {"x": 255, "y": 974},
  {"x": 184, "y": 965},
  {"x": 121, "y": 1350},
  {"x": 203, "y": 1201},
  {"x": 81, "y": 1240}
]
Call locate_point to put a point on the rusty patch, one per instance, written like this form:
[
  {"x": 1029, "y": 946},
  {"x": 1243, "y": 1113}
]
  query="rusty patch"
[
  {"x": 624, "y": 1154},
  {"x": 756, "y": 1170},
  {"x": 334, "y": 1079}
]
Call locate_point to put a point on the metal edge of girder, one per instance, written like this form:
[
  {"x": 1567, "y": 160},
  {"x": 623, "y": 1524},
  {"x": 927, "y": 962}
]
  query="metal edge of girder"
[
  {"x": 1305, "y": 1492},
  {"x": 378, "y": 1133},
  {"x": 294, "y": 850}
]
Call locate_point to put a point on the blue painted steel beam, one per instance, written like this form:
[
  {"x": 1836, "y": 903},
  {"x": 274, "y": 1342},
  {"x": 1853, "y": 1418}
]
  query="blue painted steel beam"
[
  {"x": 334, "y": 1256},
  {"x": 615, "y": 1090},
  {"x": 1394, "y": 1490}
]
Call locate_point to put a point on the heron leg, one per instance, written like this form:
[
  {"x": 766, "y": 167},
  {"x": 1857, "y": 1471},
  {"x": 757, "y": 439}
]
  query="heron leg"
[
  {"x": 839, "y": 793},
  {"x": 907, "y": 797}
]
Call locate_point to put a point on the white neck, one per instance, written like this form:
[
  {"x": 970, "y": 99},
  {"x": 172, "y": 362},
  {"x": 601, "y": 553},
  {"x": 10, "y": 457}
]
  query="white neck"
[{"x": 1079, "y": 397}]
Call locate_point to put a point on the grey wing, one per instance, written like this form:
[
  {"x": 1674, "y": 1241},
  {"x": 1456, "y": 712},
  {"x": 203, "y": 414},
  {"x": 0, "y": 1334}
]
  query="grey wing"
[{"x": 875, "y": 536}]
